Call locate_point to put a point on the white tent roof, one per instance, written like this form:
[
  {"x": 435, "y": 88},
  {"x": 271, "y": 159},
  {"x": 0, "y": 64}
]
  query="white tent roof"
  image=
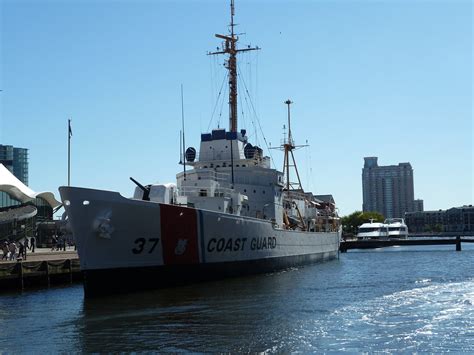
[{"x": 19, "y": 191}]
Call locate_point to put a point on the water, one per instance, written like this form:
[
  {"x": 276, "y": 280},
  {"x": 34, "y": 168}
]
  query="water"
[{"x": 414, "y": 299}]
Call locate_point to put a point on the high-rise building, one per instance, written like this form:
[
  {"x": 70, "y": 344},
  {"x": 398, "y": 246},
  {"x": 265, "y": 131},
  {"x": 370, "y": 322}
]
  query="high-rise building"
[
  {"x": 418, "y": 205},
  {"x": 15, "y": 160},
  {"x": 387, "y": 189}
]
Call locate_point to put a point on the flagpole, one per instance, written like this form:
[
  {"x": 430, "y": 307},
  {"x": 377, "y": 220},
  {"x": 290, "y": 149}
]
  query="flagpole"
[{"x": 69, "y": 152}]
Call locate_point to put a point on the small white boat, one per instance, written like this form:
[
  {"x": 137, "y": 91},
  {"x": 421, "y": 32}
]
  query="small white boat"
[
  {"x": 397, "y": 228},
  {"x": 372, "y": 230}
]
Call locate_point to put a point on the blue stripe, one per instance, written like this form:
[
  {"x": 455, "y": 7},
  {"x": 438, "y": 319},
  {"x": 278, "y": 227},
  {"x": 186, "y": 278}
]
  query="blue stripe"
[{"x": 201, "y": 236}]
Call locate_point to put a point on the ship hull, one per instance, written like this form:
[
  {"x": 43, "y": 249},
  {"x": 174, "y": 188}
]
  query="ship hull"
[
  {"x": 126, "y": 245},
  {"x": 122, "y": 280}
]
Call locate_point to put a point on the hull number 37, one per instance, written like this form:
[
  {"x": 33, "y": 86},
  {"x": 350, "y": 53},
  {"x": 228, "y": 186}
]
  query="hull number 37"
[{"x": 145, "y": 245}]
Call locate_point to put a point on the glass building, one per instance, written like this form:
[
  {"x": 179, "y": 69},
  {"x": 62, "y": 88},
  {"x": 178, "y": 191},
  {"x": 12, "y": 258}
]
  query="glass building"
[
  {"x": 15, "y": 160},
  {"x": 388, "y": 189}
]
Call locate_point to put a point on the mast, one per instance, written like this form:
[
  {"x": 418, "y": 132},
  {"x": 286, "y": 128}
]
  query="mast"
[
  {"x": 288, "y": 147},
  {"x": 182, "y": 122},
  {"x": 229, "y": 47}
]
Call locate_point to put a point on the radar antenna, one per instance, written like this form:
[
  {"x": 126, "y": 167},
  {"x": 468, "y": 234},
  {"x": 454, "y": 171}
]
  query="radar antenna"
[{"x": 229, "y": 47}]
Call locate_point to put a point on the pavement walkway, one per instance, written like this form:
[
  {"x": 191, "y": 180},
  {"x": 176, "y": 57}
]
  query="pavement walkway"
[{"x": 42, "y": 254}]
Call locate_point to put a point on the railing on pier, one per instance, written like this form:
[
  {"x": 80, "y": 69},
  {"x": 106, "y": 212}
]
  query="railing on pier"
[{"x": 381, "y": 243}]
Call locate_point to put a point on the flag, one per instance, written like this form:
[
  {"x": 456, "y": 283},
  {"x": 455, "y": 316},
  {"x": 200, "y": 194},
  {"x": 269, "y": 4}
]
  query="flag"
[{"x": 70, "y": 130}]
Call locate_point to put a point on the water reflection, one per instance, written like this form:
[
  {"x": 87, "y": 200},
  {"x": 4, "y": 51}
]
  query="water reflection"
[{"x": 241, "y": 314}]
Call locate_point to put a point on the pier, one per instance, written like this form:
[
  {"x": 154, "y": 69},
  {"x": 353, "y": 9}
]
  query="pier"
[
  {"x": 381, "y": 243},
  {"x": 41, "y": 269}
]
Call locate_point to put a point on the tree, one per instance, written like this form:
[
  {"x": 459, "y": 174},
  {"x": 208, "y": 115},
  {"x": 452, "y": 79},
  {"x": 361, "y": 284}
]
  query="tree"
[{"x": 351, "y": 222}]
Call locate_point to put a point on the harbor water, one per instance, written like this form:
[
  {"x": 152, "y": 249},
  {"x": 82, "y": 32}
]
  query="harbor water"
[{"x": 414, "y": 299}]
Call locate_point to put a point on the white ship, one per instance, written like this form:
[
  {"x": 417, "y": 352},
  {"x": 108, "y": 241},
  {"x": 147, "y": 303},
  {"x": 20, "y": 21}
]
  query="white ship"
[
  {"x": 397, "y": 228},
  {"x": 391, "y": 228},
  {"x": 372, "y": 230},
  {"x": 229, "y": 214}
]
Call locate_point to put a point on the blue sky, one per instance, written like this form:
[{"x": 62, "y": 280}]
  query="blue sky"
[{"x": 389, "y": 78}]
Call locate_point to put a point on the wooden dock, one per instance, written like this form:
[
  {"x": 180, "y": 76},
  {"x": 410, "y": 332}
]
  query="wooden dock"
[
  {"x": 41, "y": 269},
  {"x": 381, "y": 243}
]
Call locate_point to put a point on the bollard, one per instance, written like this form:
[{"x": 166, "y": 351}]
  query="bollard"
[{"x": 458, "y": 243}]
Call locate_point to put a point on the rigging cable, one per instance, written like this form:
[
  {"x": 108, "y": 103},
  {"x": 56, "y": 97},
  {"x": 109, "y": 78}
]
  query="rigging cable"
[
  {"x": 258, "y": 121},
  {"x": 222, "y": 105},
  {"x": 217, "y": 101}
]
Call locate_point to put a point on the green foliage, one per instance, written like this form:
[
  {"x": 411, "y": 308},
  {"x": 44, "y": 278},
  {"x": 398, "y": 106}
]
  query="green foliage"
[{"x": 351, "y": 222}]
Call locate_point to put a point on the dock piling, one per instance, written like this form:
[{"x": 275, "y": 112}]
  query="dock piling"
[
  {"x": 20, "y": 274},
  {"x": 458, "y": 243}
]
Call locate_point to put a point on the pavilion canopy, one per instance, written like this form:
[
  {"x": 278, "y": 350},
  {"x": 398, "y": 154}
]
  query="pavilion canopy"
[{"x": 10, "y": 184}]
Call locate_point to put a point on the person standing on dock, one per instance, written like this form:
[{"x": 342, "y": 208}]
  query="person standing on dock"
[
  {"x": 12, "y": 248},
  {"x": 5, "y": 250},
  {"x": 21, "y": 250},
  {"x": 32, "y": 244}
]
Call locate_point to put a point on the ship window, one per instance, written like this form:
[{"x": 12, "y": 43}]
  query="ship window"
[
  {"x": 237, "y": 165},
  {"x": 226, "y": 146},
  {"x": 203, "y": 192},
  {"x": 263, "y": 192},
  {"x": 218, "y": 166},
  {"x": 243, "y": 165},
  {"x": 212, "y": 165},
  {"x": 205, "y": 166},
  {"x": 224, "y": 165},
  {"x": 254, "y": 191},
  {"x": 85, "y": 202},
  {"x": 245, "y": 190},
  {"x": 199, "y": 178}
]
